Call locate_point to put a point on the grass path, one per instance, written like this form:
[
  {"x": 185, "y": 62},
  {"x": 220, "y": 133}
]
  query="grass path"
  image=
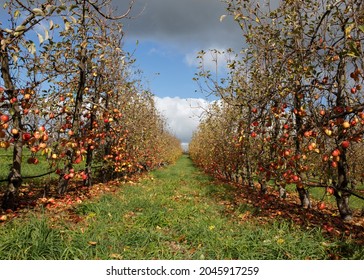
[{"x": 175, "y": 213}]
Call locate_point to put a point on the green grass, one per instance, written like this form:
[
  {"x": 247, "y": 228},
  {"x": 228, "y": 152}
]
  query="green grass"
[
  {"x": 319, "y": 194},
  {"x": 179, "y": 214},
  {"x": 27, "y": 169}
]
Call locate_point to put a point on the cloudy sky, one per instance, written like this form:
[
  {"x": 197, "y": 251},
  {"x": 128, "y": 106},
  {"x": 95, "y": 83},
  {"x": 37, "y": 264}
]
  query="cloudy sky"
[{"x": 170, "y": 33}]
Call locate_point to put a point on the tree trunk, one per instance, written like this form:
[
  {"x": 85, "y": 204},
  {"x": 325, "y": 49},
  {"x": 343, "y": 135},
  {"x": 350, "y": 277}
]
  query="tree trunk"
[
  {"x": 248, "y": 152},
  {"x": 342, "y": 196},
  {"x": 76, "y": 126},
  {"x": 343, "y": 205},
  {"x": 63, "y": 179},
  {"x": 88, "y": 181},
  {"x": 263, "y": 186},
  {"x": 14, "y": 179},
  {"x": 304, "y": 196},
  {"x": 282, "y": 192}
]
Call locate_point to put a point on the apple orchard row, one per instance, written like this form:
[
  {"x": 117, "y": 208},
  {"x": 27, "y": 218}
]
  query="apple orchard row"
[
  {"x": 291, "y": 109},
  {"x": 70, "y": 95}
]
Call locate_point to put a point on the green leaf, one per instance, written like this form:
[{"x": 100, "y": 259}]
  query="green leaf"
[
  {"x": 20, "y": 28},
  {"x": 361, "y": 28},
  {"x": 38, "y": 12},
  {"x": 51, "y": 25},
  {"x": 17, "y": 14},
  {"x": 40, "y": 38},
  {"x": 353, "y": 51},
  {"x": 348, "y": 29},
  {"x": 31, "y": 48},
  {"x": 72, "y": 7},
  {"x": 67, "y": 25},
  {"x": 46, "y": 33},
  {"x": 14, "y": 57},
  {"x": 74, "y": 20}
]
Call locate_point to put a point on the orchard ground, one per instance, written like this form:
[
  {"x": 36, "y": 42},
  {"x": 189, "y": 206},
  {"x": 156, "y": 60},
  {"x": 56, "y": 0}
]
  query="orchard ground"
[{"x": 176, "y": 213}]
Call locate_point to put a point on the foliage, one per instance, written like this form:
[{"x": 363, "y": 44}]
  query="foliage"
[
  {"x": 69, "y": 93},
  {"x": 291, "y": 110}
]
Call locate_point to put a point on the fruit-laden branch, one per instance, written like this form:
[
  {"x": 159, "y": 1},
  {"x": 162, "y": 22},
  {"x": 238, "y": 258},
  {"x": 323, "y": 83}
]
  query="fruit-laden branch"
[
  {"x": 319, "y": 185},
  {"x": 32, "y": 177}
]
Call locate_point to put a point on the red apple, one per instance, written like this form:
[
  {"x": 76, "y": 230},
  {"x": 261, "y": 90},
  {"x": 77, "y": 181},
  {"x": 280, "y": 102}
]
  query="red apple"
[
  {"x": 335, "y": 153},
  {"x": 14, "y": 131},
  {"x": 3, "y": 218},
  {"x": 328, "y": 132},
  {"x": 78, "y": 160},
  {"x": 4, "y": 118},
  {"x": 287, "y": 153},
  {"x": 36, "y": 135},
  {"x": 346, "y": 124},
  {"x": 295, "y": 178},
  {"x": 345, "y": 144},
  {"x": 307, "y": 133},
  {"x": 321, "y": 205},
  {"x": 42, "y": 145},
  {"x": 330, "y": 190},
  {"x": 26, "y": 136},
  {"x": 84, "y": 176},
  {"x": 33, "y": 160},
  {"x": 45, "y": 137}
]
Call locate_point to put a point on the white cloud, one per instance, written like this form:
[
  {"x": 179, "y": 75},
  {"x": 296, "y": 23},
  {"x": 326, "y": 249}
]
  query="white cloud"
[
  {"x": 214, "y": 59},
  {"x": 182, "y": 115}
]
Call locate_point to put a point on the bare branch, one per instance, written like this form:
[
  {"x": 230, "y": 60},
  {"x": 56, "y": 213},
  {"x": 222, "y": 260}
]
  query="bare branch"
[{"x": 97, "y": 8}]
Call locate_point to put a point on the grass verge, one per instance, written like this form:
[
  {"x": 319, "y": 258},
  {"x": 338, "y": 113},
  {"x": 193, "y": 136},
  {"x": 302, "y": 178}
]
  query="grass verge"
[{"x": 175, "y": 213}]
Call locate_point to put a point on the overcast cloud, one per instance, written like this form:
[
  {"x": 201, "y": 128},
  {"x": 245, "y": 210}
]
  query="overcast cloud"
[{"x": 186, "y": 24}]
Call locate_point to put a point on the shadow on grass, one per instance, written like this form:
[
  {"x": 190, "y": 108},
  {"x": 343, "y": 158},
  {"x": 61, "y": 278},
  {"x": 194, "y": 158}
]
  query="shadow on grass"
[{"x": 240, "y": 200}]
